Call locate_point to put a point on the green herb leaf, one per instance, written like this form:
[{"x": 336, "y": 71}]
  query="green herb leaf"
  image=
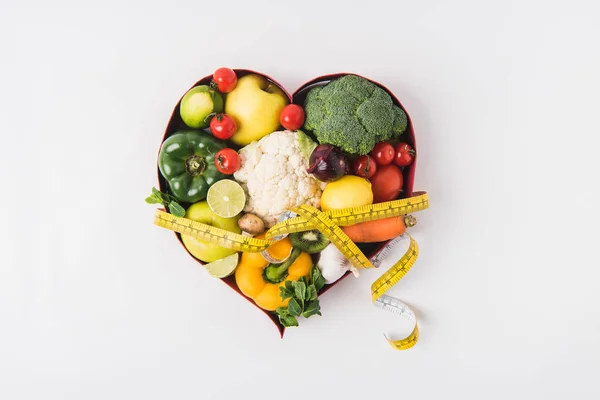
[
  {"x": 288, "y": 320},
  {"x": 317, "y": 278},
  {"x": 311, "y": 293},
  {"x": 152, "y": 199},
  {"x": 289, "y": 286},
  {"x": 176, "y": 209},
  {"x": 285, "y": 293},
  {"x": 300, "y": 291},
  {"x": 312, "y": 308},
  {"x": 294, "y": 308},
  {"x": 282, "y": 311}
]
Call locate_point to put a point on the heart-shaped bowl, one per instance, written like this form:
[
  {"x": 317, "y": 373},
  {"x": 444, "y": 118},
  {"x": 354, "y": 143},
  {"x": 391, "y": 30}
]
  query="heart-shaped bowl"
[{"x": 369, "y": 249}]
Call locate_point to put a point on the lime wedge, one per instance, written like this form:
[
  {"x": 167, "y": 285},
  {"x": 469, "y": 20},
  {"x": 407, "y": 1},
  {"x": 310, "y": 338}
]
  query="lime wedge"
[
  {"x": 224, "y": 267},
  {"x": 226, "y": 198}
]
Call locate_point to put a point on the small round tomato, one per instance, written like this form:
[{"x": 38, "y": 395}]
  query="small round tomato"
[
  {"x": 386, "y": 183},
  {"x": 364, "y": 166},
  {"x": 225, "y": 79},
  {"x": 405, "y": 154},
  {"x": 227, "y": 161},
  {"x": 222, "y": 126},
  {"x": 292, "y": 117},
  {"x": 383, "y": 153}
]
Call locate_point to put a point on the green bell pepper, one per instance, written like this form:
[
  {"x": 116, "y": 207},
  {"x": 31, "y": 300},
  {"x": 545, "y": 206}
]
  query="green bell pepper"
[{"x": 187, "y": 161}]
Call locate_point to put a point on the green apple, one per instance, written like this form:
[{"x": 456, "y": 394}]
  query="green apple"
[
  {"x": 204, "y": 251},
  {"x": 198, "y": 103},
  {"x": 255, "y": 104}
]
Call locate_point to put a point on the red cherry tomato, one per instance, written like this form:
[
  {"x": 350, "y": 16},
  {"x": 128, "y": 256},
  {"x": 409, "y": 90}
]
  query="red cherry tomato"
[
  {"x": 222, "y": 126},
  {"x": 292, "y": 117},
  {"x": 383, "y": 153},
  {"x": 405, "y": 154},
  {"x": 225, "y": 79},
  {"x": 227, "y": 161},
  {"x": 364, "y": 166},
  {"x": 386, "y": 183}
]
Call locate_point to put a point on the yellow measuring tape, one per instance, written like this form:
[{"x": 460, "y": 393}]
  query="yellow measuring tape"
[{"x": 328, "y": 222}]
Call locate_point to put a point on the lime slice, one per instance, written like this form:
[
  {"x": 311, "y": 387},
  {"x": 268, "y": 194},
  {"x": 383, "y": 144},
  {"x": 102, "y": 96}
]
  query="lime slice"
[
  {"x": 224, "y": 267},
  {"x": 226, "y": 198}
]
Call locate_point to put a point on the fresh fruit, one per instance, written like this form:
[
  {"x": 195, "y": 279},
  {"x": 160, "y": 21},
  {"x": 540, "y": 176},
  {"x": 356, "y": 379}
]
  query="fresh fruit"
[
  {"x": 226, "y": 198},
  {"x": 205, "y": 251},
  {"x": 227, "y": 161},
  {"x": 364, "y": 166},
  {"x": 222, "y": 126},
  {"x": 312, "y": 241},
  {"x": 255, "y": 104},
  {"x": 379, "y": 230},
  {"x": 292, "y": 117},
  {"x": 197, "y": 104},
  {"x": 405, "y": 154},
  {"x": 224, "y": 267},
  {"x": 225, "y": 79},
  {"x": 348, "y": 191},
  {"x": 387, "y": 183},
  {"x": 186, "y": 161},
  {"x": 383, "y": 153}
]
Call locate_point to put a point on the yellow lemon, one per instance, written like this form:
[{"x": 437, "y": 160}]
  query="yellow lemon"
[{"x": 348, "y": 191}]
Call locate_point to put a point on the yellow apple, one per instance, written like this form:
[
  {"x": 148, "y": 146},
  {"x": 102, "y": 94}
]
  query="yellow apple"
[
  {"x": 255, "y": 104},
  {"x": 204, "y": 251}
]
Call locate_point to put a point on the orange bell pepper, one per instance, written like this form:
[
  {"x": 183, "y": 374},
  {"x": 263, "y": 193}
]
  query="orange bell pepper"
[{"x": 260, "y": 280}]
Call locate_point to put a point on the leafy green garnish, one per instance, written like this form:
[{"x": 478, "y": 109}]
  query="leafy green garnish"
[
  {"x": 303, "y": 298},
  {"x": 170, "y": 203}
]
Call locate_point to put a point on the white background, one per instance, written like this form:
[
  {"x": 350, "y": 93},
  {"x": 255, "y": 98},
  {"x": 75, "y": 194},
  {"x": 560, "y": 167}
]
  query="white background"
[{"x": 97, "y": 303}]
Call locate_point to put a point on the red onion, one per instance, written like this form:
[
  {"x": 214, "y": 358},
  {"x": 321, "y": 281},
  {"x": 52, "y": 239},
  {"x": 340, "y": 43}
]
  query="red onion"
[{"x": 327, "y": 163}]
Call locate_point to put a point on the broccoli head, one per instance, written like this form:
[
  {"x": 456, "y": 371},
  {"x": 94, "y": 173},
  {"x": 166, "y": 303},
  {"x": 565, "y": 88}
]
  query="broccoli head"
[{"x": 352, "y": 113}]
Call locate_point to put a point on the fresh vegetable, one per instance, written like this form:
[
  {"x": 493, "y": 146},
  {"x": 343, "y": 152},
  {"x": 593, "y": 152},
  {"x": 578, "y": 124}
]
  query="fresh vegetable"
[
  {"x": 170, "y": 203},
  {"x": 327, "y": 163},
  {"x": 261, "y": 281},
  {"x": 383, "y": 153},
  {"x": 227, "y": 161},
  {"x": 348, "y": 191},
  {"x": 224, "y": 79},
  {"x": 226, "y": 198},
  {"x": 222, "y": 126},
  {"x": 274, "y": 176},
  {"x": 405, "y": 154},
  {"x": 187, "y": 162},
  {"x": 364, "y": 166},
  {"x": 279, "y": 251},
  {"x": 302, "y": 297},
  {"x": 205, "y": 251},
  {"x": 292, "y": 117},
  {"x": 387, "y": 183},
  {"x": 198, "y": 104},
  {"x": 352, "y": 113},
  {"x": 379, "y": 230},
  {"x": 312, "y": 241},
  {"x": 333, "y": 264},
  {"x": 251, "y": 224},
  {"x": 307, "y": 145}
]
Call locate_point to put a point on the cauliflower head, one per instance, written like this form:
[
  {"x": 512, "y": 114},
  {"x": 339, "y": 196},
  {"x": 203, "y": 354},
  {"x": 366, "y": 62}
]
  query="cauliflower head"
[{"x": 273, "y": 175}]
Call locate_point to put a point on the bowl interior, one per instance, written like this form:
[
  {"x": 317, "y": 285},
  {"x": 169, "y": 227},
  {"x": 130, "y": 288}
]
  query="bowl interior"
[{"x": 298, "y": 97}]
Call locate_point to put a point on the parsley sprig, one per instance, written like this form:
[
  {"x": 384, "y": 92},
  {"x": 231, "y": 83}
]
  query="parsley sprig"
[
  {"x": 158, "y": 197},
  {"x": 303, "y": 298}
]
